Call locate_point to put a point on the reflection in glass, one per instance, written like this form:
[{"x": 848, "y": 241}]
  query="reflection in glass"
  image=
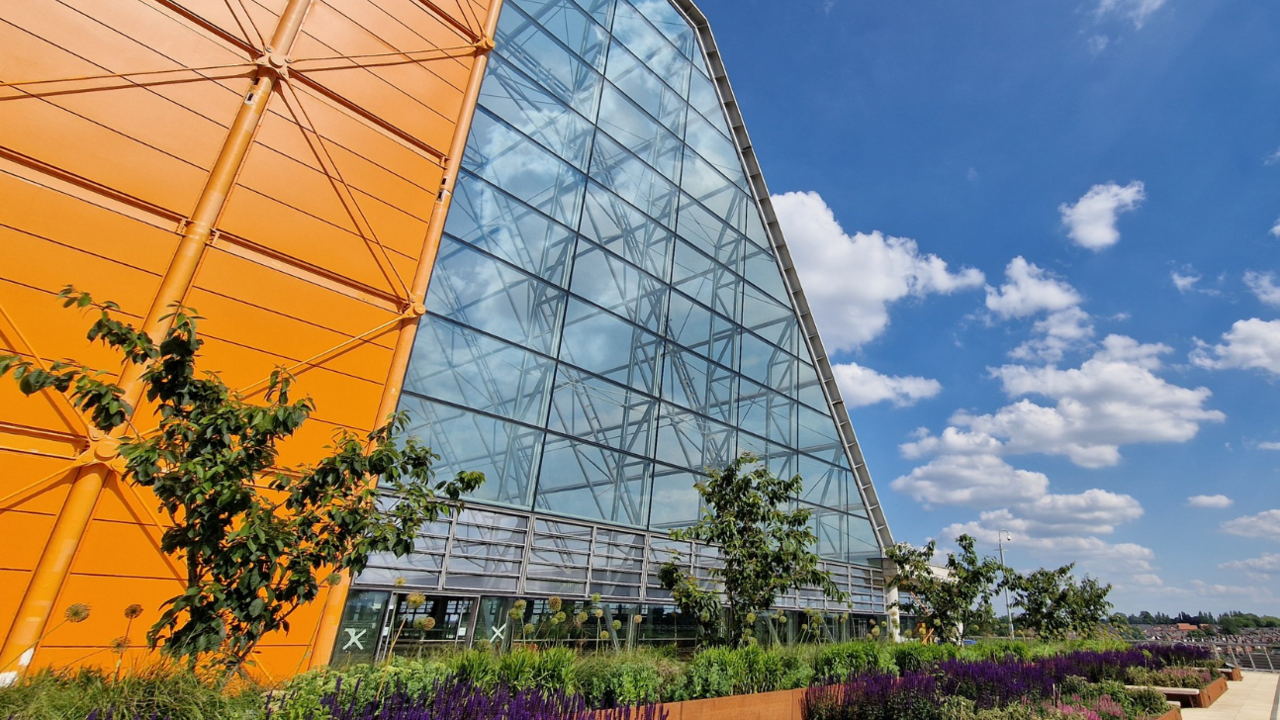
[
  {"x": 506, "y": 453},
  {"x": 461, "y": 366},
  {"x": 582, "y": 480},
  {"x": 473, "y": 290}
]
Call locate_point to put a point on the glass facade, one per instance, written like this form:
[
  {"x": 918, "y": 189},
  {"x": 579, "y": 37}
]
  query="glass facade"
[{"x": 606, "y": 319}]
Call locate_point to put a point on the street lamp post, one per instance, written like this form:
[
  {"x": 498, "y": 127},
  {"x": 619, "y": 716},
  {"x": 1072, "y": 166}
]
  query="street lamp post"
[{"x": 1006, "y": 536}]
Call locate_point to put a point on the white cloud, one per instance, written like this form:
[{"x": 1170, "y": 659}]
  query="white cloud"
[
  {"x": 1263, "y": 285},
  {"x": 1269, "y": 446},
  {"x": 1091, "y": 222},
  {"x": 1184, "y": 283},
  {"x": 1273, "y": 158},
  {"x": 1028, "y": 290},
  {"x": 1275, "y": 229},
  {"x": 1098, "y": 43},
  {"x": 977, "y": 480},
  {"x": 1263, "y": 525},
  {"x": 1135, "y": 10},
  {"x": 1058, "y": 333},
  {"x": 850, "y": 280},
  {"x": 1249, "y": 344},
  {"x": 1264, "y": 565},
  {"x": 1113, "y": 399},
  {"x": 1216, "y": 502},
  {"x": 861, "y": 386},
  {"x": 1112, "y": 562}
]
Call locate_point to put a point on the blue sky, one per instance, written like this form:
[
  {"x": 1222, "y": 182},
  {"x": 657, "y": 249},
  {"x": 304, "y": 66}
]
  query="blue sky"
[{"x": 1041, "y": 242}]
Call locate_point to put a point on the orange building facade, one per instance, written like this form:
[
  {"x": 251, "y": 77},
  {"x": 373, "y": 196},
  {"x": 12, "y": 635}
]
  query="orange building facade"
[{"x": 282, "y": 166}]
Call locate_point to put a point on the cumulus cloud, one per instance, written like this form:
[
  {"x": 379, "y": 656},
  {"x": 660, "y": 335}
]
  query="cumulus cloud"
[
  {"x": 1273, "y": 158},
  {"x": 975, "y": 480},
  {"x": 1113, "y": 399},
  {"x": 1265, "y": 525},
  {"x": 1136, "y": 11},
  {"x": 1216, "y": 502},
  {"x": 1128, "y": 561},
  {"x": 1091, "y": 221},
  {"x": 1055, "y": 335},
  {"x": 861, "y": 386},
  {"x": 1263, "y": 285},
  {"x": 1248, "y": 345},
  {"x": 1275, "y": 229},
  {"x": 1265, "y": 565},
  {"x": 1028, "y": 290},
  {"x": 850, "y": 280}
]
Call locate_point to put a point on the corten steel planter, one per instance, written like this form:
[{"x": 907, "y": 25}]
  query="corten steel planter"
[
  {"x": 1210, "y": 694},
  {"x": 779, "y": 705},
  {"x": 1233, "y": 674},
  {"x": 1173, "y": 714}
]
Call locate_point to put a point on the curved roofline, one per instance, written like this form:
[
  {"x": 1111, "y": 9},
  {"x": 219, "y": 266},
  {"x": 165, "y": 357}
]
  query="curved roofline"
[{"x": 800, "y": 304}]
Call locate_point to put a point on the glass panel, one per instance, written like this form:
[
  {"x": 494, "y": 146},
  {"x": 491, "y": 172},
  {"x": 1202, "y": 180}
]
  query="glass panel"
[
  {"x": 754, "y": 228},
  {"x": 651, "y": 47},
  {"x": 703, "y": 331},
  {"x": 824, "y": 484},
  {"x": 708, "y": 233},
  {"x": 819, "y": 437},
  {"x": 572, "y": 23},
  {"x": 810, "y": 392},
  {"x": 769, "y": 318},
  {"x": 533, "y": 48},
  {"x": 763, "y": 271},
  {"x": 529, "y": 108},
  {"x": 509, "y": 160},
  {"x": 648, "y": 90},
  {"x": 583, "y": 480},
  {"x": 610, "y": 347},
  {"x": 690, "y": 381},
  {"x": 635, "y": 182},
  {"x": 361, "y": 627},
  {"x": 597, "y": 410},
  {"x": 706, "y": 280},
  {"x": 473, "y": 289},
  {"x": 675, "y": 500},
  {"x": 599, "y": 9},
  {"x": 724, "y": 199},
  {"x": 704, "y": 98},
  {"x": 461, "y": 366},
  {"x": 616, "y": 285},
  {"x": 626, "y": 231},
  {"x": 715, "y": 148},
  {"x": 766, "y": 413},
  {"x": 692, "y": 441},
  {"x": 502, "y": 226},
  {"x": 640, "y": 133},
  {"x": 506, "y": 453},
  {"x": 669, "y": 22}
]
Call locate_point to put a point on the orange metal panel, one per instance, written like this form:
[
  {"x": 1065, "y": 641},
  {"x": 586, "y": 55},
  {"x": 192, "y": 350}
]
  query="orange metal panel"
[{"x": 106, "y": 152}]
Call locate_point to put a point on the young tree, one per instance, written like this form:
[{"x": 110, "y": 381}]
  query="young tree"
[
  {"x": 951, "y": 598},
  {"x": 254, "y": 537},
  {"x": 766, "y": 549},
  {"x": 1054, "y": 605}
]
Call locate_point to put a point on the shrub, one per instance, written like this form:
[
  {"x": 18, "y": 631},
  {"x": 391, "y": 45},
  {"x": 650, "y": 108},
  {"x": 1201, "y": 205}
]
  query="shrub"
[
  {"x": 607, "y": 681},
  {"x": 163, "y": 692},
  {"x": 836, "y": 663},
  {"x": 913, "y": 657}
]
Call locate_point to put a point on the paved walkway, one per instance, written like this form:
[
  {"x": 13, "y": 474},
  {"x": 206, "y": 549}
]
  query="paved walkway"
[{"x": 1253, "y": 698}]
